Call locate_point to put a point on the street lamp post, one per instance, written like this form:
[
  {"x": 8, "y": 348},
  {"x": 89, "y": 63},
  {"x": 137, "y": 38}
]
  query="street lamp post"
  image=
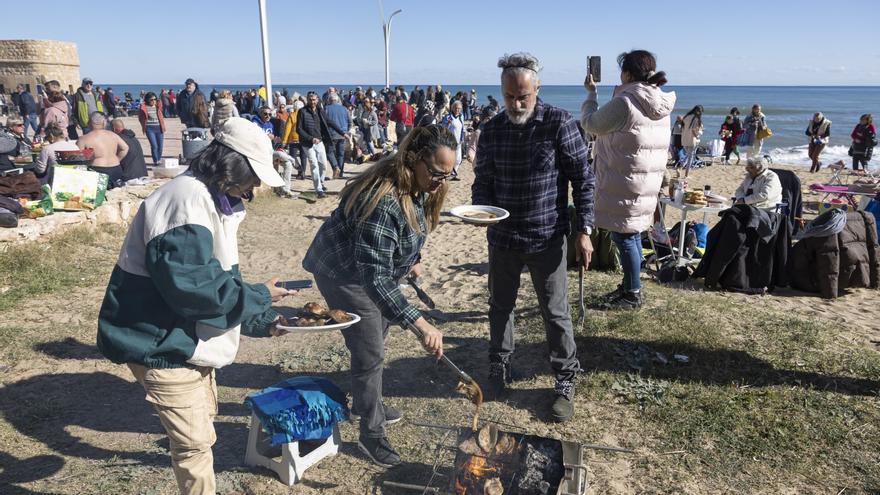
[
  {"x": 264, "y": 34},
  {"x": 386, "y": 30}
]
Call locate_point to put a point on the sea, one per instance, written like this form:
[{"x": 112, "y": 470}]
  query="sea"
[{"x": 788, "y": 108}]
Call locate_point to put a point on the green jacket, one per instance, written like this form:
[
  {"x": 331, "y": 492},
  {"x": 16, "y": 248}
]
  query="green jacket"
[
  {"x": 81, "y": 109},
  {"x": 176, "y": 296}
]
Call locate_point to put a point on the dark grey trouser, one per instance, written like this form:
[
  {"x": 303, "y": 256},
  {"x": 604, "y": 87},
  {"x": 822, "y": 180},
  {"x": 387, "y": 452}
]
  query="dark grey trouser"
[
  {"x": 548, "y": 271},
  {"x": 366, "y": 343}
]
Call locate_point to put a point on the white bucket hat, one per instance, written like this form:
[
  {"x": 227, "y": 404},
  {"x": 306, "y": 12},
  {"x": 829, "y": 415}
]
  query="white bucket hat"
[{"x": 251, "y": 141}]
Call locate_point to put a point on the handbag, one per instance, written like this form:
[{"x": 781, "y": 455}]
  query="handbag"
[
  {"x": 742, "y": 139},
  {"x": 763, "y": 133},
  {"x": 850, "y": 151}
]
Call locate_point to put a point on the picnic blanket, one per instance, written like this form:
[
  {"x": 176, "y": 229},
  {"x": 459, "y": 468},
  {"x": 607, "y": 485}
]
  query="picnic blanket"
[{"x": 301, "y": 408}]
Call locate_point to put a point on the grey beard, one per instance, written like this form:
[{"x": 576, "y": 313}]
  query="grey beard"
[{"x": 520, "y": 118}]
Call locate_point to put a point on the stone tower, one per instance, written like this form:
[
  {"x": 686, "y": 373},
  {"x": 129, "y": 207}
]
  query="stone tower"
[{"x": 33, "y": 62}]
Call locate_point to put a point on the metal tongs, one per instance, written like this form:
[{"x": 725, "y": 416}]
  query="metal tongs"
[
  {"x": 467, "y": 385},
  {"x": 583, "y": 308}
]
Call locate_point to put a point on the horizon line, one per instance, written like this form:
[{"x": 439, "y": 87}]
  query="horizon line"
[{"x": 499, "y": 84}]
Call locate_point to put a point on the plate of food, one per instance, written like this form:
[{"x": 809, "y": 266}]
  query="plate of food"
[
  {"x": 480, "y": 214},
  {"x": 314, "y": 317}
]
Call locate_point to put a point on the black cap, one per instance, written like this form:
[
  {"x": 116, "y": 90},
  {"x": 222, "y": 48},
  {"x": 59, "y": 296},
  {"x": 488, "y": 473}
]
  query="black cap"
[{"x": 190, "y": 80}]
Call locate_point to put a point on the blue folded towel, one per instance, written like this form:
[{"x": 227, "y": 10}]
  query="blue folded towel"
[{"x": 301, "y": 408}]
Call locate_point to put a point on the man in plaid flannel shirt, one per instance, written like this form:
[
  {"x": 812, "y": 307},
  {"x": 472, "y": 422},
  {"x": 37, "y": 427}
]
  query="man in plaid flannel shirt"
[{"x": 526, "y": 158}]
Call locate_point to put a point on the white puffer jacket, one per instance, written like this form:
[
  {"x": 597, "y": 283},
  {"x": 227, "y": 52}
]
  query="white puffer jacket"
[{"x": 630, "y": 154}]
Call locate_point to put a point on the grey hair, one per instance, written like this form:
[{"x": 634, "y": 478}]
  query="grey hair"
[
  {"x": 334, "y": 97},
  {"x": 96, "y": 117},
  {"x": 759, "y": 162},
  {"x": 520, "y": 63},
  {"x": 119, "y": 122}
]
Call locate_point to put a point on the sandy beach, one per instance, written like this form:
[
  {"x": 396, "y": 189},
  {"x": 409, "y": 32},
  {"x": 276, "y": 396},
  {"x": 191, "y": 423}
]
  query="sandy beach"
[{"x": 740, "y": 345}]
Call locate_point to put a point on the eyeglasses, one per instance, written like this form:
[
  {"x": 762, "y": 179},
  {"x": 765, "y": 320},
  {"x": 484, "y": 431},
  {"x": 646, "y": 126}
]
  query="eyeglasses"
[
  {"x": 436, "y": 175},
  {"x": 266, "y": 114}
]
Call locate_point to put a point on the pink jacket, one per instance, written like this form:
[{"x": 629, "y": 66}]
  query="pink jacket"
[
  {"x": 630, "y": 161},
  {"x": 57, "y": 113}
]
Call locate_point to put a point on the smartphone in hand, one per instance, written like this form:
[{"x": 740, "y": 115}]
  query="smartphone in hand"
[
  {"x": 295, "y": 284},
  {"x": 594, "y": 68}
]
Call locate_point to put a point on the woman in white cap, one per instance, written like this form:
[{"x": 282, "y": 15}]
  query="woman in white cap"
[{"x": 176, "y": 304}]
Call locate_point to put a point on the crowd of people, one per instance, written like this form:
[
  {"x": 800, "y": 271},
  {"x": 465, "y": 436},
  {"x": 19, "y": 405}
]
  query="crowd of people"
[
  {"x": 60, "y": 122},
  {"x": 750, "y": 133},
  {"x": 176, "y": 303}
]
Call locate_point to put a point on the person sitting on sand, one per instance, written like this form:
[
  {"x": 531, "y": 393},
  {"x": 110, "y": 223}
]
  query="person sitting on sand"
[
  {"x": 761, "y": 187},
  {"x": 176, "y": 305},
  {"x": 371, "y": 241},
  {"x": 526, "y": 158},
  {"x": 109, "y": 149}
]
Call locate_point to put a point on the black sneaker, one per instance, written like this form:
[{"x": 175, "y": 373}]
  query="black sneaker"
[
  {"x": 627, "y": 300},
  {"x": 499, "y": 378},
  {"x": 379, "y": 451},
  {"x": 610, "y": 296},
  {"x": 562, "y": 408},
  {"x": 322, "y": 195},
  {"x": 392, "y": 416}
]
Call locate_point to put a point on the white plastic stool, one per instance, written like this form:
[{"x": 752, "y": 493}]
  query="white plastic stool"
[{"x": 293, "y": 461}]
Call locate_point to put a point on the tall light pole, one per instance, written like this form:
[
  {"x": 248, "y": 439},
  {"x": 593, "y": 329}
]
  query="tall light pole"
[
  {"x": 386, "y": 30},
  {"x": 264, "y": 34}
]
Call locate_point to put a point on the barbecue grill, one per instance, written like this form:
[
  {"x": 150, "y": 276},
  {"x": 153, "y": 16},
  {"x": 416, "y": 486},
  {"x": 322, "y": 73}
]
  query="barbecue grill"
[{"x": 492, "y": 461}]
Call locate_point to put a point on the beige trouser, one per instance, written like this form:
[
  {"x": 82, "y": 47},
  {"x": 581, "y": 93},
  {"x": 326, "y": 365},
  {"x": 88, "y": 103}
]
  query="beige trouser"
[{"x": 186, "y": 400}]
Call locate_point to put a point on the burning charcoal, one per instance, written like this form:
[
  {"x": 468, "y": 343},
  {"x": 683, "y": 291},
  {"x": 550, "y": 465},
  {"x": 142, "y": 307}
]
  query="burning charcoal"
[{"x": 541, "y": 471}]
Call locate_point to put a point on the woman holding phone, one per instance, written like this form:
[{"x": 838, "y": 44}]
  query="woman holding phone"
[
  {"x": 371, "y": 241},
  {"x": 632, "y": 139}
]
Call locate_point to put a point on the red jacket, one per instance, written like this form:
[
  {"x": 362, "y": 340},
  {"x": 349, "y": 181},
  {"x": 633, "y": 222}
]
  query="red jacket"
[
  {"x": 142, "y": 116},
  {"x": 402, "y": 113}
]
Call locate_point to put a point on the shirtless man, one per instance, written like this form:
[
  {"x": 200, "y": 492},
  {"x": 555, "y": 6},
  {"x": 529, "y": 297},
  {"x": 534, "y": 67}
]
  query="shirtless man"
[{"x": 109, "y": 149}]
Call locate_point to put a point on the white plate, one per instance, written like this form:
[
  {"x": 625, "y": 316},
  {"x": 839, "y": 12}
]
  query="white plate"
[
  {"x": 461, "y": 211},
  {"x": 322, "y": 328}
]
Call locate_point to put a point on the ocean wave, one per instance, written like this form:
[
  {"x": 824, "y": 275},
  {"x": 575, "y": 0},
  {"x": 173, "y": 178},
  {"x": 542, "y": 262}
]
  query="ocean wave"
[{"x": 799, "y": 155}]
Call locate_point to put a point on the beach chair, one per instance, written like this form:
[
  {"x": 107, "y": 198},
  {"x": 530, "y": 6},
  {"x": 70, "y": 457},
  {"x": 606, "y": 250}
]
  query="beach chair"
[
  {"x": 837, "y": 176},
  {"x": 709, "y": 155}
]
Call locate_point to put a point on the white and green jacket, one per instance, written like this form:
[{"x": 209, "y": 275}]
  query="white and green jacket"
[{"x": 176, "y": 297}]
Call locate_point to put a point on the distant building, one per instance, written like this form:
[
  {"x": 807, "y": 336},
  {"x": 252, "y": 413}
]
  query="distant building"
[{"x": 33, "y": 62}]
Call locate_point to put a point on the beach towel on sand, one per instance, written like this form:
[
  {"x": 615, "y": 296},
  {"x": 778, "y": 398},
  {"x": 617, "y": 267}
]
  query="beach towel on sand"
[{"x": 301, "y": 408}]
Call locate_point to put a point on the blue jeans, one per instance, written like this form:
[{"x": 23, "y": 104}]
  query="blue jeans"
[
  {"x": 157, "y": 141},
  {"x": 32, "y": 121},
  {"x": 630, "y": 248},
  {"x": 336, "y": 154}
]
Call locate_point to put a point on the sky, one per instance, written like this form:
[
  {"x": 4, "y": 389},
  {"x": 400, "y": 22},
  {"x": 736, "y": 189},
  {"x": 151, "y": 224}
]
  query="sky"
[{"x": 769, "y": 42}]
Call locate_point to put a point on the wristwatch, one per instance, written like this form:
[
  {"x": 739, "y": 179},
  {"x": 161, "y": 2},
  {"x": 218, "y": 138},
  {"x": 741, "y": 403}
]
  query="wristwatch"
[{"x": 587, "y": 230}]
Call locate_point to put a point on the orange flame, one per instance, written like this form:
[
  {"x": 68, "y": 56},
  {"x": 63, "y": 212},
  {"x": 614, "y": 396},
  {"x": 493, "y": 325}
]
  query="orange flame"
[{"x": 473, "y": 470}]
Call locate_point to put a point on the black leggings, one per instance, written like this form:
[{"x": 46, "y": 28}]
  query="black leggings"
[
  {"x": 114, "y": 173},
  {"x": 860, "y": 160}
]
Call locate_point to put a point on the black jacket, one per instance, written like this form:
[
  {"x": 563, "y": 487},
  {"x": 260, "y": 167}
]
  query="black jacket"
[
  {"x": 133, "y": 164},
  {"x": 791, "y": 194},
  {"x": 311, "y": 124},
  {"x": 746, "y": 251},
  {"x": 830, "y": 264}
]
